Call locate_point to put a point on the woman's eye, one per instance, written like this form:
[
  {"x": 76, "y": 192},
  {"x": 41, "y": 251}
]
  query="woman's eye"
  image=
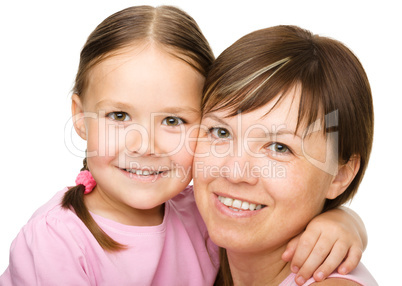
[
  {"x": 172, "y": 121},
  {"x": 219, "y": 132},
  {"x": 118, "y": 116},
  {"x": 278, "y": 148}
]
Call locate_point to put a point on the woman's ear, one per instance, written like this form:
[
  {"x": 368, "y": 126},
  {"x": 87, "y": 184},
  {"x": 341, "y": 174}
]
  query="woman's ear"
[
  {"x": 346, "y": 174},
  {"x": 77, "y": 112}
]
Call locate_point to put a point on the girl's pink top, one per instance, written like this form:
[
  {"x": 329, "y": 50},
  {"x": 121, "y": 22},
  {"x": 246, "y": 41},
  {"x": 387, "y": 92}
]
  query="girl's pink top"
[{"x": 55, "y": 248}]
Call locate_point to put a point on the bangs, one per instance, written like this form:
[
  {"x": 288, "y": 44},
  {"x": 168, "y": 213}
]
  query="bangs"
[
  {"x": 335, "y": 95},
  {"x": 235, "y": 94}
]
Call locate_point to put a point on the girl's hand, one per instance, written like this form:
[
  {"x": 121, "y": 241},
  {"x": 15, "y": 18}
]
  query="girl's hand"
[{"x": 334, "y": 238}]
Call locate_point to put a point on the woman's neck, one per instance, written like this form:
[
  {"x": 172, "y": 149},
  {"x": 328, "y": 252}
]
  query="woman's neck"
[{"x": 263, "y": 268}]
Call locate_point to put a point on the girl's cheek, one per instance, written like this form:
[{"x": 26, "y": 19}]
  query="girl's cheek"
[
  {"x": 173, "y": 143},
  {"x": 167, "y": 144}
]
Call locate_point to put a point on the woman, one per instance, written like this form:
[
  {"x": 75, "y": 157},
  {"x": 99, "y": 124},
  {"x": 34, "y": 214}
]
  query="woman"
[{"x": 287, "y": 134}]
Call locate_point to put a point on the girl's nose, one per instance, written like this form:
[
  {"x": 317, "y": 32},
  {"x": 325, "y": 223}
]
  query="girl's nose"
[{"x": 140, "y": 140}]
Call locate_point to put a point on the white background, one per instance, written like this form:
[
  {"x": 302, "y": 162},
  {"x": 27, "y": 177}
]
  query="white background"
[{"x": 40, "y": 42}]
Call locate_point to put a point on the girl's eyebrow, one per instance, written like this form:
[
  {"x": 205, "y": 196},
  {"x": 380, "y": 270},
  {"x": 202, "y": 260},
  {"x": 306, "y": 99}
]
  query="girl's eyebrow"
[
  {"x": 116, "y": 104},
  {"x": 126, "y": 106},
  {"x": 178, "y": 110}
]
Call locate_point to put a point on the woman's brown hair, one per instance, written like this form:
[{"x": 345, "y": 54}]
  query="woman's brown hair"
[
  {"x": 168, "y": 27},
  {"x": 270, "y": 62}
]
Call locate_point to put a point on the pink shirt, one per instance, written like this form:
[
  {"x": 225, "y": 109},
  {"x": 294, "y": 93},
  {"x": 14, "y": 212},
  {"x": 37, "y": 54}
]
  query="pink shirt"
[
  {"x": 359, "y": 275},
  {"x": 55, "y": 248}
]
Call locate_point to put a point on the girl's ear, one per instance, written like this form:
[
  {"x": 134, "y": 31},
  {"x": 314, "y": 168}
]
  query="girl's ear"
[
  {"x": 346, "y": 174},
  {"x": 77, "y": 112}
]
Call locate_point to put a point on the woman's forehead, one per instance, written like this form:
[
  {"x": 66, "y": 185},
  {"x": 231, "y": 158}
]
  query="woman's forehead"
[
  {"x": 282, "y": 105},
  {"x": 281, "y": 114}
]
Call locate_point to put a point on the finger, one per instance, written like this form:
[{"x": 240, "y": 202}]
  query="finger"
[
  {"x": 304, "y": 248},
  {"x": 352, "y": 260},
  {"x": 291, "y": 248},
  {"x": 335, "y": 257},
  {"x": 318, "y": 257}
]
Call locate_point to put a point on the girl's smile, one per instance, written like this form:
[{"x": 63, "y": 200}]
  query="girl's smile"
[{"x": 145, "y": 175}]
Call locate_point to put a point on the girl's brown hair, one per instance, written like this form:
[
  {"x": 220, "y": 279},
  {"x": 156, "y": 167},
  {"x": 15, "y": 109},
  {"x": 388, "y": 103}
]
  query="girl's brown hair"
[
  {"x": 270, "y": 62},
  {"x": 168, "y": 27}
]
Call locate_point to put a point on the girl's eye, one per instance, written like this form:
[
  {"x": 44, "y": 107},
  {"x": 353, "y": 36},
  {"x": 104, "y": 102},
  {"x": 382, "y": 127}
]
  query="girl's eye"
[
  {"x": 172, "y": 121},
  {"x": 119, "y": 116},
  {"x": 219, "y": 132},
  {"x": 278, "y": 148}
]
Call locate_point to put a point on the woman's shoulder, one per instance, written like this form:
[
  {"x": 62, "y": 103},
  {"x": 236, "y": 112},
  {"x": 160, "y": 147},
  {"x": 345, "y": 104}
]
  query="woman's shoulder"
[
  {"x": 359, "y": 276},
  {"x": 336, "y": 282}
]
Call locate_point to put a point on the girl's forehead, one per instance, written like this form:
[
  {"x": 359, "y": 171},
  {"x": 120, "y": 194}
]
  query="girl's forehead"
[{"x": 145, "y": 77}]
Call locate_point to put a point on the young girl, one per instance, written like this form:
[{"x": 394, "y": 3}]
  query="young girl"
[{"x": 132, "y": 219}]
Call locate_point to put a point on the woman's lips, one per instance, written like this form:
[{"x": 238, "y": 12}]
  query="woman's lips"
[
  {"x": 236, "y": 207},
  {"x": 239, "y": 205}
]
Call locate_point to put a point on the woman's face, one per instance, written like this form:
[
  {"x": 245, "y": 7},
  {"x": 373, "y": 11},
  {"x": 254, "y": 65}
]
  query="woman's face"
[{"x": 257, "y": 182}]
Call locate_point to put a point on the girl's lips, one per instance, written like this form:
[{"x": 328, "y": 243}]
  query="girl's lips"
[
  {"x": 144, "y": 175},
  {"x": 235, "y": 207}
]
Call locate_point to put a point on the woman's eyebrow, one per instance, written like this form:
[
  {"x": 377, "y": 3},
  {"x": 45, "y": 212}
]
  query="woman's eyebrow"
[
  {"x": 283, "y": 132},
  {"x": 214, "y": 117},
  {"x": 268, "y": 134}
]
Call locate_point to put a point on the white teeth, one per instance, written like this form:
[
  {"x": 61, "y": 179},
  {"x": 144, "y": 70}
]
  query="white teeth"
[
  {"x": 245, "y": 205},
  {"x": 228, "y": 201},
  {"x": 238, "y": 205},
  {"x": 142, "y": 172}
]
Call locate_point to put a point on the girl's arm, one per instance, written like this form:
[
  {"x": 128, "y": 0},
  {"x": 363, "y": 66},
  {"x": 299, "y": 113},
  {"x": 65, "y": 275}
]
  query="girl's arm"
[{"x": 335, "y": 238}]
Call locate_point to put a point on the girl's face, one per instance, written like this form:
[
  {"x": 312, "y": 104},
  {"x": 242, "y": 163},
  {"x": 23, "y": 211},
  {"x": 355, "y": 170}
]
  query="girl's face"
[
  {"x": 257, "y": 181},
  {"x": 140, "y": 116}
]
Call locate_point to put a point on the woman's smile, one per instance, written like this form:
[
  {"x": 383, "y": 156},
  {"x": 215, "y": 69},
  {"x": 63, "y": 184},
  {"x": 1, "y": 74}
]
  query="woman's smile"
[
  {"x": 239, "y": 205},
  {"x": 272, "y": 209},
  {"x": 235, "y": 207}
]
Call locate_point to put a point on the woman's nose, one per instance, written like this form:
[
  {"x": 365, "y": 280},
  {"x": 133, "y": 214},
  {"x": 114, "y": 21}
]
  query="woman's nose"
[{"x": 240, "y": 169}]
